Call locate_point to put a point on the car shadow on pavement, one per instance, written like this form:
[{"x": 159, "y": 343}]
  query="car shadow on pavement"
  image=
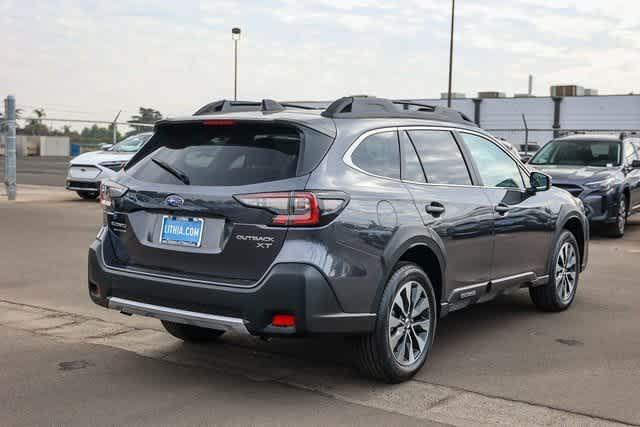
[{"x": 334, "y": 357}]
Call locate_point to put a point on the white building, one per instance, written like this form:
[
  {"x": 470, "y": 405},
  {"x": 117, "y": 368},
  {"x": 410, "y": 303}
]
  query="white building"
[{"x": 545, "y": 115}]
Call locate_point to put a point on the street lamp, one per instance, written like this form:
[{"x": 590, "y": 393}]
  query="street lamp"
[
  {"x": 235, "y": 35},
  {"x": 453, "y": 11}
]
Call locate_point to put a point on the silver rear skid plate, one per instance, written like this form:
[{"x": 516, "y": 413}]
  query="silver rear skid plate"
[{"x": 204, "y": 320}]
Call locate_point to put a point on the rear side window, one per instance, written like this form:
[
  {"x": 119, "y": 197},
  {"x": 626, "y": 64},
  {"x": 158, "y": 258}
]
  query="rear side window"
[
  {"x": 411, "y": 168},
  {"x": 239, "y": 154},
  {"x": 379, "y": 154},
  {"x": 441, "y": 158}
]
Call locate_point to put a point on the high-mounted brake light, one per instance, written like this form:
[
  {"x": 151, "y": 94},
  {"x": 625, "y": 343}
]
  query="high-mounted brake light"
[
  {"x": 294, "y": 208},
  {"x": 219, "y": 122}
]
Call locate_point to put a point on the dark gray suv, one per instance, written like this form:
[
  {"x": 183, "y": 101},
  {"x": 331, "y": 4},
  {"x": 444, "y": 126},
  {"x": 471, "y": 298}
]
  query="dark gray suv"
[
  {"x": 602, "y": 170},
  {"x": 372, "y": 218}
]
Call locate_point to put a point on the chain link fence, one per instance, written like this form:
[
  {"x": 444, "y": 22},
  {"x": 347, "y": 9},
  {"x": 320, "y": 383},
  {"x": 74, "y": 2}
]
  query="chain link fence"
[{"x": 528, "y": 141}]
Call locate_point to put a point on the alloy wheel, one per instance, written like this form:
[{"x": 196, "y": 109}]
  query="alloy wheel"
[
  {"x": 410, "y": 323},
  {"x": 566, "y": 272}
]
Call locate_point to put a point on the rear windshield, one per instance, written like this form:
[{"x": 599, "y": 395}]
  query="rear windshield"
[{"x": 239, "y": 154}]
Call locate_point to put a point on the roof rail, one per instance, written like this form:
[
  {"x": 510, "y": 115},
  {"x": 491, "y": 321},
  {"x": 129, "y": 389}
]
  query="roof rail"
[
  {"x": 266, "y": 106},
  {"x": 226, "y": 106},
  {"x": 625, "y": 135},
  {"x": 270, "y": 106},
  {"x": 363, "y": 106},
  {"x": 300, "y": 106}
]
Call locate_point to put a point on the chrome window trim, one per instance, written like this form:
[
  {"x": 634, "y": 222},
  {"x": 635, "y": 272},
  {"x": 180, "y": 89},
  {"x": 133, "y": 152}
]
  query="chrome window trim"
[{"x": 346, "y": 158}]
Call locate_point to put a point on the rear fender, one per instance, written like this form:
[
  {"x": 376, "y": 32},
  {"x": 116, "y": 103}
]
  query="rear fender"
[{"x": 404, "y": 239}]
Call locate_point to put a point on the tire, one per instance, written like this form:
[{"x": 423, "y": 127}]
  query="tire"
[
  {"x": 376, "y": 357},
  {"x": 190, "y": 333},
  {"x": 617, "y": 228},
  {"x": 88, "y": 195},
  {"x": 564, "y": 276}
]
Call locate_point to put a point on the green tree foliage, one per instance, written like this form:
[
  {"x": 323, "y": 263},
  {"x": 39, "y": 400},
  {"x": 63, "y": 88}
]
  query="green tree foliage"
[
  {"x": 90, "y": 135},
  {"x": 145, "y": 115},
  {"x": 35, "y": 126}
]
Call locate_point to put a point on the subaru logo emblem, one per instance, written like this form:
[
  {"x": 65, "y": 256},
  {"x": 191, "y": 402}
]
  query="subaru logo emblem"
[{"x": 174, "y": 201}]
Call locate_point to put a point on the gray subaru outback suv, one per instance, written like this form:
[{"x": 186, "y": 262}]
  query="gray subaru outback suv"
[{"x": 372, "y": 218}]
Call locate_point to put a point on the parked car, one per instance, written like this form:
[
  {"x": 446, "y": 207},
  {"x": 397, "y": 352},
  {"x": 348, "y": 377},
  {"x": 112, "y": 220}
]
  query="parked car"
[
  {"x": 88, "y": 170},
  {"x": 527, "y": 151},
  {"x": 602, "y": 170},
  {"x": 509, "y": 146},
  {"x": 364, "y": 219}
]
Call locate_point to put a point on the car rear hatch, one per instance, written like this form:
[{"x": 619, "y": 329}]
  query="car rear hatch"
[{"x": 189, "y": 208}]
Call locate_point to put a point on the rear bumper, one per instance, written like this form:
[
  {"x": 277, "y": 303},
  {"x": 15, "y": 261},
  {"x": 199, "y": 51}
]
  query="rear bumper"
[
  {"x": 290, "y": 288},
  {"x": 82, "y": 185},
  {"x": 179, "y": 316}
]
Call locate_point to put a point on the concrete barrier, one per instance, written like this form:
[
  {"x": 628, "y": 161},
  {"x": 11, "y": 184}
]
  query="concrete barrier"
[{"x": 54, "y": 146}]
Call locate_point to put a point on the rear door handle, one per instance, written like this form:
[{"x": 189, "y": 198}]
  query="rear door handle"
[
  {"x": 435, "y": 209},
  {"x": 502, "y": 208}
]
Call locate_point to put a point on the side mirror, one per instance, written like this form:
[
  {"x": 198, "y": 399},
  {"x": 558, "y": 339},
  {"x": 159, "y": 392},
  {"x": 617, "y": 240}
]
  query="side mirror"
[
  {"x": 105, "y": 147},
  {"x": 635, "y": 164},
  {"x": 540, "y": 181}
]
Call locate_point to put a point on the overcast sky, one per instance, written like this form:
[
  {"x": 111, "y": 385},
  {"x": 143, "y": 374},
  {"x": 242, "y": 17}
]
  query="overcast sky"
[{"x": 91, "y": 58}]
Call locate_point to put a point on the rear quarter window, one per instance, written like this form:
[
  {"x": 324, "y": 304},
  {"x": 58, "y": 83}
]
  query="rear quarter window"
[{"x": 379, "y": 154}]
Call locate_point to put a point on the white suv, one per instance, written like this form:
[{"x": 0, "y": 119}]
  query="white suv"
[{"x": 88, "y": 170}]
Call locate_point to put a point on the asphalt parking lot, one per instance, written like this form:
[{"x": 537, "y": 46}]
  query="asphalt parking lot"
[
  {"x": 40, "y": 170},
  {"x": 500, "y": 362}
]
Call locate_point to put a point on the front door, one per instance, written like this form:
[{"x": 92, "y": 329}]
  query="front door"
[{"x": 523, "y": 224}]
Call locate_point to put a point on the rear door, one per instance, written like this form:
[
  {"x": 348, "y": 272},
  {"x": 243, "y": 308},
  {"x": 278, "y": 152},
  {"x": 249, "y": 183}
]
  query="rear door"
[
  {"x": 523, "y": 224},
  {"x": 459, "y": 212},
  {"x": 188, "y": 181}
]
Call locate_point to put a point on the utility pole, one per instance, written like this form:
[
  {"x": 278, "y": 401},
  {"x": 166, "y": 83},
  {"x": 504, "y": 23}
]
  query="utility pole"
[
  {"x": 235, "y": 35},
  {"x": 453, "y": 12},
  {"x": 10, "y": 147},
  {"x": 115, "y": 128}
]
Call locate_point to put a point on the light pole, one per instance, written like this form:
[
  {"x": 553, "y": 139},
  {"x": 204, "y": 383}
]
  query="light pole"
[
  {"x": 453, "y": 12},
  {"x": 235, "y": 35}
]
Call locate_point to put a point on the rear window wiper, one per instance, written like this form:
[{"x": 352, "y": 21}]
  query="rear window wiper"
[{"x": 173, "y": 171}]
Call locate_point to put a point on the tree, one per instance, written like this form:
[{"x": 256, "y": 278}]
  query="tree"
[
  {"x": 35, "y": 126},
  {"x": 145, "y": 115}
]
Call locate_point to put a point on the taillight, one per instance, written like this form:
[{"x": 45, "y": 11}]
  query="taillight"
[
  {"x": 296, "y": 208},
  {"x": 109, "y": 191}
]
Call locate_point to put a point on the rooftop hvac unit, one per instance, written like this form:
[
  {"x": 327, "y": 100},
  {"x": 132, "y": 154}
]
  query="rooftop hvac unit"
[
  {"x": 454, "y": 95},
  {"x": 567, "y": 90},
  {"x": 491, "y": 94}
]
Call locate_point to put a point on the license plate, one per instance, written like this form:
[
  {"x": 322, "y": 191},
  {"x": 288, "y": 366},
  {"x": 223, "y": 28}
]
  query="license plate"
[{"x": 182, "y": 231}]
